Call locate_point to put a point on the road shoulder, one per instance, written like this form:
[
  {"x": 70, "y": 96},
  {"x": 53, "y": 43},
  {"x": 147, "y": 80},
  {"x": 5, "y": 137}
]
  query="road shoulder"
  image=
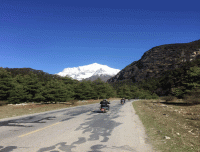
[{"x": 130, "y": 135}]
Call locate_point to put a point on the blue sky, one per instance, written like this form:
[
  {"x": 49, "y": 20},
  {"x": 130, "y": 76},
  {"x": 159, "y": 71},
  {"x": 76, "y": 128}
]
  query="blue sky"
[{"x": 51, "y": 35}]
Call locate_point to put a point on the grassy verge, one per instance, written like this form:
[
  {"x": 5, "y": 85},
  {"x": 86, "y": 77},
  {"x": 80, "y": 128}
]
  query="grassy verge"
[
  {"x": 171, "y": 127},
  {"x": 7, "y": 111}
]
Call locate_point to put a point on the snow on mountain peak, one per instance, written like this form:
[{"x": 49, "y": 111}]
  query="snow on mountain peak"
[{"x": 83, "y": 72}]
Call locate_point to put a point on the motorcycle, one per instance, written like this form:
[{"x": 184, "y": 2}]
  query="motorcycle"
[
  {"x": 104, "y": 105},
  {"x": 104, "y": 109}
]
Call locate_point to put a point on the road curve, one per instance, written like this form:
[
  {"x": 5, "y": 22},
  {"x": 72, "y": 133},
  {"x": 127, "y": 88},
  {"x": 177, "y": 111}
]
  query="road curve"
[{"x": 77, "y": 129}]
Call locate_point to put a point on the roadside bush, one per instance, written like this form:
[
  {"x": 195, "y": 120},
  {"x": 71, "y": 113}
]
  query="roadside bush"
[
  {"x": 178, "y": 92},
  {"x": 2, "y": 103},
  {"x": 169, "y": 98},
  {"x": 5, "y": 84},
  {"x": 18, "y": 94},
  {"x": 193, "y": 97},
  {"x": 154, "y": 96},
  {"x": 72, "y": 101}
]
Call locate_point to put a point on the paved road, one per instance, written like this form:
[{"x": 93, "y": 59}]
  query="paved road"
[{"x": 77, "y": 129}]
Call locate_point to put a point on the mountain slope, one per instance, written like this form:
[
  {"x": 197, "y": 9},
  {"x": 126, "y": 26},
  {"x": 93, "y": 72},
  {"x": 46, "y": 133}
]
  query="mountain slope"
[
  {"x": 103, "y": 77},
  {"x": 159, "y": 59},
  {"x": 87, "y": 71}
]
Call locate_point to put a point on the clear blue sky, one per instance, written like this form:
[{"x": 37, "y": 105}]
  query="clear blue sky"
[{"x": 51, "y": 35}]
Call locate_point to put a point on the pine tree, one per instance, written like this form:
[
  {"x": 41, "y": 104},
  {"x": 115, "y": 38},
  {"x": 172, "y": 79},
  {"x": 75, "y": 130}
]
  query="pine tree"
[
  {"x": 100, "y": 89},
  {"x": 17, "y": 94},
  {"x": 50, "y": 91},
  {"x": 32, "y": 86},
  {"x": 84, "y": 91},
  {"x": 124, "y": 92},
  {"x": 64, "y": 92},
  {"x": 110, "y": 91},
  {"x": 39, "y": 96},
  {"x": 5, "y": 84}
]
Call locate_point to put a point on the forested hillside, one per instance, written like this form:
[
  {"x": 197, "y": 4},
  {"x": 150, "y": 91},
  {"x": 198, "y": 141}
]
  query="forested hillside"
[
  {"x": 19, "y": 85},
  {"x": 183, "y": 82}
]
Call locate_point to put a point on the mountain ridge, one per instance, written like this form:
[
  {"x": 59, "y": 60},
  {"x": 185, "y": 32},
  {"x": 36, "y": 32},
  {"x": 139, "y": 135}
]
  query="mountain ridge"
[
  {"x": 159, "y": 59},
  {"x": 87, "y": 71}
]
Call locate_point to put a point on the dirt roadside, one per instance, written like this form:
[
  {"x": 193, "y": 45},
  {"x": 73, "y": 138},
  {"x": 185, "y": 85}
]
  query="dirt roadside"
[{"x": 170, "y": 126}]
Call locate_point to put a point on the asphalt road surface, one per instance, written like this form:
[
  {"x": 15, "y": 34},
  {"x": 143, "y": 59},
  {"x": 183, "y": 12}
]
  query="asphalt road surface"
[{"x": 77, "y": 129}]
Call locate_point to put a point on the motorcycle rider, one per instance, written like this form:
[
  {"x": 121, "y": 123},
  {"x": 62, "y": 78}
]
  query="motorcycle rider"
[
  {"x": 123, "y": 100},
  {"x": 105, "y": 103}
]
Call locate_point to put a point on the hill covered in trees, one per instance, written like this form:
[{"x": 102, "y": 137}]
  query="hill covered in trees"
[
  {"x": 167, "y": 70},
  {"x": 182, "y": 82}
]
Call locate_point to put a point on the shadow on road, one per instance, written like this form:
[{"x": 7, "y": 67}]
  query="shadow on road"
[
  {"x": 97, "y": 111},
  {"x": 7, "y": 149}
]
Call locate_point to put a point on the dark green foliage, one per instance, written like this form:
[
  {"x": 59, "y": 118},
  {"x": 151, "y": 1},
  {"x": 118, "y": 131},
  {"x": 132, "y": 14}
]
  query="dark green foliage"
[
  {"x": 103, "y": 90},
  {"x": 192, "y": 78},
  {"x": 85, "y": 90},
  {"x": 5, "y": 84},
  {"x": 39, "y": 97},
  {"x": 50, "y": 91},
  {"x": 28, "y": 85},
  {"x": 93, "y": 90},
  {"x": 128, "y": 89},
  {"x": 32, "y": 86},
  {"x": 182, "y": 82},
  {"x": 110, "y": 92},
  {"x": 18, "y": 94},
  {"x": 118, "y": 84},
  {"x": 144, "y": 94},
  {"x": 150, "y": 84},
  {"x": 56, "y": 91},
  {"x": 68, "y": 80},
  {"x": 124, "y": 92},
  {"x": 65, "y": 92}
]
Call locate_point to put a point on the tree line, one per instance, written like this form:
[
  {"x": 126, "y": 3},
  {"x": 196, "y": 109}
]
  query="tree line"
[
  {"x": 129, "y": 90},
  {"x": 19, "y": 85}
]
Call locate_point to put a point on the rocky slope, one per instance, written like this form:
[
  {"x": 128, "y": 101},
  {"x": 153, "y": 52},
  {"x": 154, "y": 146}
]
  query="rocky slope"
[
  {"x": 102, "y": 77},
  {"x": 159, "y": 59}
]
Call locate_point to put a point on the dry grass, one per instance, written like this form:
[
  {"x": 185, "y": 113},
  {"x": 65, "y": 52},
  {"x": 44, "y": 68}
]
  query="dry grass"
[
  {"x": 7, "y": 111},
  {"x": 176, "y": 120}
]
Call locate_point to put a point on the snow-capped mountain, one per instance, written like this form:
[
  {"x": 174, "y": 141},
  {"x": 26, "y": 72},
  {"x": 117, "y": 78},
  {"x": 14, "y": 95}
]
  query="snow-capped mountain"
[{"x": 83, "y": 72}]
